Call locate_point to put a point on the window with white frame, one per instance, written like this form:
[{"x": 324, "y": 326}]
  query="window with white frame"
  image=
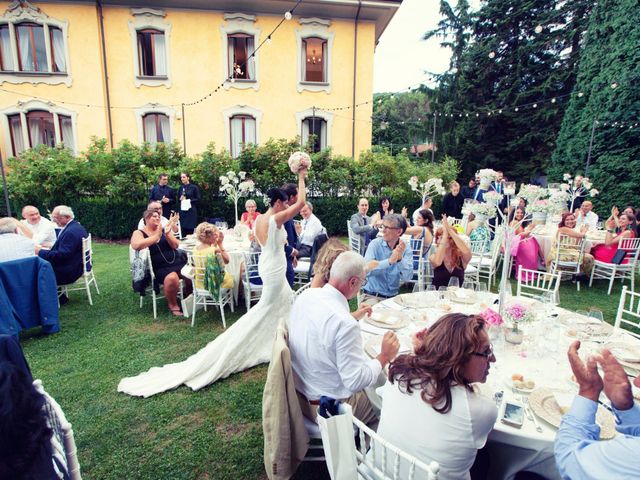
[
  {"x": 156, "y": 128},
  {"x": 32, "y": 124},
  {"x": 243, "y": 133},
  {"x": 314, "y": 129},
  {"x": 315, "y": 59},
  {"x": 315, "y": 42},
  {"x": 150, "y": 41},
  {"x": 33, "y": 46},
  {"x": 241, "y": 62},
  {"x": 152, "y": 57}
]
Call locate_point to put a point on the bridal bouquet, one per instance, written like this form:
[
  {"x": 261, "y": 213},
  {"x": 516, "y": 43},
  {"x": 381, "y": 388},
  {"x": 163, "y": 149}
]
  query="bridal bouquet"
[{"x": 299, "y": 160}]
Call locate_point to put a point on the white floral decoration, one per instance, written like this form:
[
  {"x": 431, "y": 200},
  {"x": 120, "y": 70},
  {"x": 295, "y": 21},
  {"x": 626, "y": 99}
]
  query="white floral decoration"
[
  {"x": 236, "y": 186},
  {"x": 430, "y": 188}
]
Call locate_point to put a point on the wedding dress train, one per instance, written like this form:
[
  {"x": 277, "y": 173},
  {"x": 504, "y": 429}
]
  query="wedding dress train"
[{"x": 245, "y": 344}]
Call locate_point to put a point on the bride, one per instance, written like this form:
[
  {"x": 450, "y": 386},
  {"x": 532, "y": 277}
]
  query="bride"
[{"x": 249, "y": 340}]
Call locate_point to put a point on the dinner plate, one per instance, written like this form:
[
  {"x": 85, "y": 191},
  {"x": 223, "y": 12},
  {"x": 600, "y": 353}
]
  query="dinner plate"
[
  {"x": 387, "y": 318},
  {"x": 462, "y": 295},
  {"x": 625, "y": 353},
  {"x": 411, "y": 300},
  {"x": 373, "y": 345},
  {"x": 510, "y": 384},
  {"x": 543, "y": 404}
]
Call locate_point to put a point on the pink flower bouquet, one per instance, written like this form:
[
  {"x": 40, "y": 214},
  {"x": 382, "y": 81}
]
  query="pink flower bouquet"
[
  {"x": 491, "y": 317},
  {"x": 299, "y": 160}
]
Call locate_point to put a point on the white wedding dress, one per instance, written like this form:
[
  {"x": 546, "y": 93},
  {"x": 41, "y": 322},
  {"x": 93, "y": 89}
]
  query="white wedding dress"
[{"x": 246, "y": 343}]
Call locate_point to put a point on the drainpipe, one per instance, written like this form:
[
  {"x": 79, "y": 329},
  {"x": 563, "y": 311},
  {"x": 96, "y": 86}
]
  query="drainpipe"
[
  {"x": 105, "y": 71},
  {"x": 355, "y": 69}
]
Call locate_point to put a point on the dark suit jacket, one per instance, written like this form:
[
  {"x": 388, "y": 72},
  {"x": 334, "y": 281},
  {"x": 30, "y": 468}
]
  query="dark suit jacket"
[
  {"x": 66, "y": 254},
  {"x": 159, "y": 191},
  {"x": 292, "y": 241}
]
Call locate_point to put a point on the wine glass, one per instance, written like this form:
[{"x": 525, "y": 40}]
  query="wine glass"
[
  {"x": 454, "y": 282},
  {"x": 596, "y": 313},
  {"x": 482, "y": 288},
  {"x": 467, "y": 285},
  {"x": 442, "y": 293}
]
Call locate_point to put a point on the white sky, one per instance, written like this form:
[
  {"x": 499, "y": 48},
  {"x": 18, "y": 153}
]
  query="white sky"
[{"x": 402, "y": 56}]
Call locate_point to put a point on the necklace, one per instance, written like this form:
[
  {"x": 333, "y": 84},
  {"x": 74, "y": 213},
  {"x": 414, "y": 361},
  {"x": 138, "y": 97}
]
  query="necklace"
[{"x": 162, "y": 254}]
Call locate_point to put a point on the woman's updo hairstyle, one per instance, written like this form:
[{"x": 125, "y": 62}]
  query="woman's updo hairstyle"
[{"x": 276, "y": 194}]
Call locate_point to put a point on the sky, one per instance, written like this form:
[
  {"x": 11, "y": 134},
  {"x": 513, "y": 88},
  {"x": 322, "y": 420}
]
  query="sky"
[{"x": 401, "y": 56}]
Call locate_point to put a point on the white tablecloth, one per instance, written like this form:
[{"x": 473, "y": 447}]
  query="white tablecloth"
[
  {"x": 236, "y": 249},
  {"x": 546, "y": 236},
  {"x": 543, "y": 361}
]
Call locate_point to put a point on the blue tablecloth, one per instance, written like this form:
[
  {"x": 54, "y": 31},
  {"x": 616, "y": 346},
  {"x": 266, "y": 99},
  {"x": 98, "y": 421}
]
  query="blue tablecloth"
[{"x": 28, "y": 296}]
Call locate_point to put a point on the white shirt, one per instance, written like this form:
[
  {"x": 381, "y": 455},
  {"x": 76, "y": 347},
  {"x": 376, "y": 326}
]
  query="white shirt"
[
  {"x": 451, "y": 439},
  {"x": 327, "y": 355},
  {"x": 163, "y": 223},
  {"x": 15, "y": 247},
  {"x": 590, "y": 219},
  {"x": 311, "y": 228},
  {"x": 44, "y": 232}
]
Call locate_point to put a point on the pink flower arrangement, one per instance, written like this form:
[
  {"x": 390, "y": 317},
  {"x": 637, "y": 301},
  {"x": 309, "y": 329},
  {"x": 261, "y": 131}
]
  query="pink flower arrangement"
[
  {"x": 491, "y": 317},
  {"x": 516, "y": 311},
  {"x": 299, "y": 160}
]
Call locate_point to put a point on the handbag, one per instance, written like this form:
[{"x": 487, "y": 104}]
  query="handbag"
[
  {"x": 138, "y": 268},
  {"x": 619, "y": 257},
  {"x": 338, "y": 443}
]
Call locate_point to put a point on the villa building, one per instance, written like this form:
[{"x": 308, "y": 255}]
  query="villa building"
[{"x": 232, "y": 72}]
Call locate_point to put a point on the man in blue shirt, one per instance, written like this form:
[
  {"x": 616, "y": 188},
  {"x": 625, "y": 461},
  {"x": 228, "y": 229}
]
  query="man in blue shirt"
[
  {"x": 578, "y": 451},
  {"x": 395, "y": 261}
]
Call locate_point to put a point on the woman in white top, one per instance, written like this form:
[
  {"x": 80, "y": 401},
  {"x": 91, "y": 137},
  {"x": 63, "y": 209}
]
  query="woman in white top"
[{"x": 430, "y": 409}]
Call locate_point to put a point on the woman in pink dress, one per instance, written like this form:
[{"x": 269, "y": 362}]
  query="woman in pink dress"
[
  {"x": 524, "y": 247},
  {"x": 607, "y": 250},
  {"x": 249, "y": 216}
]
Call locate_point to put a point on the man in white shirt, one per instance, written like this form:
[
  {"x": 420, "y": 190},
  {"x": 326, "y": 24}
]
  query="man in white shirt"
[
  {"x": 164, "y": 221},
  {"x": 12, "y": 245},
  {"x": 426, "y": 205},
  {"x": 308, "y": 229},
  {"x": 37, "y": 228},
  {"x": 327, "y": 354},
  {"x": 585, "y": 216}
]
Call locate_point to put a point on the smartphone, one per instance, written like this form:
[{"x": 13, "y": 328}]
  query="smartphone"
[{"x": 513, "y": 414}]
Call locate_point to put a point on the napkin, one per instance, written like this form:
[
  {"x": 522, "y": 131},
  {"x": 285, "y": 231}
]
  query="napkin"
[
  {"x": 185, "y": 204},
  {"x": 367, "y": 327}
]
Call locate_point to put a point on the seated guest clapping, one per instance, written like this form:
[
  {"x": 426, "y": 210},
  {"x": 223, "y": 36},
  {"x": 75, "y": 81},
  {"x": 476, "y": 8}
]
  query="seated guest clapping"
[
  {"x": 363, "y": 225},
  {"x": 423, "y": 230},
  {"x": 211, "y": 244},
  {"x": 430, "y": 408},
  {"x": 12, "y": 245},
  {"x": 250, "y": 214},
  {"x": 578, "y": 450},
  {"x": 451, "y": 257},
  {"x": 66, "y": 254},
  {"x": 567, "y": 226},
  {"x": 384, "y": 209},
  {"x": 167, "y": 261},
  {"x": 308, "y": 229},
  {"x": 627, "y": 229},
  {"x": 39, "y": 229},
  {"x": 586, "y": 216},
  {"x": 395, "y": 261},
  {"x": 326, "y": 347}
]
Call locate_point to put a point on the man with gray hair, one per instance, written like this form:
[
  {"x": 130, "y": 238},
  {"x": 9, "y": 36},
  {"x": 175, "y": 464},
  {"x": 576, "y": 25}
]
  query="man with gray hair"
[
  {"x": 66, "y": 254},
  {"x": 395, "y": 261},
  {"x": 308, "y": 229},
  {"x": 12, "y": 245},
  {"x": 327, "y": 354}
]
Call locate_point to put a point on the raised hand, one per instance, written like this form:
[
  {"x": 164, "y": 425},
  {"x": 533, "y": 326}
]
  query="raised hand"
[
  {"x": 587, "y": 375},
  {"x": 616, "y": 382}
]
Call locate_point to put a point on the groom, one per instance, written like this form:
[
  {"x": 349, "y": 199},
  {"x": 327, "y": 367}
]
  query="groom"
[{"x": 291, "y": 189}]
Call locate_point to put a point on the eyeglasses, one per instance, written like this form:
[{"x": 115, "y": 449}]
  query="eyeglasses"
[
  {"x": 485, "y": 354},
  {"x": 387, "y": 227}
]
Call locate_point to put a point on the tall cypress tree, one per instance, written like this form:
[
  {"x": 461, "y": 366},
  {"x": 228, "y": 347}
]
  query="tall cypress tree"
[{"x": 610, "y": 58}]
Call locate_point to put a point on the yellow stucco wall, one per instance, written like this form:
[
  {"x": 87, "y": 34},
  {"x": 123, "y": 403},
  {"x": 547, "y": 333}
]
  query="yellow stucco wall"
[{"x": 196, "y": 69}]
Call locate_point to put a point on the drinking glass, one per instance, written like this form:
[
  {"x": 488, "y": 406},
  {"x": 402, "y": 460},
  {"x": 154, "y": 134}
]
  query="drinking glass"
[
  {"x": 482, "y": 288},
  {"x": 596, "y": 313},
  {"x": 442, "y": 293},
  {"x": 506, "y": 286},
  {"x": 431, "y": 288},
  {"x": 469, "y": 285},
  {"x": 454, "y": 282}
]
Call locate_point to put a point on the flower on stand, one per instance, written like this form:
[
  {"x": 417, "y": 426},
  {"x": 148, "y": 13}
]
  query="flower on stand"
[
  {"x": 558, "y": 202},
  {"x": 493, "y": 197},
  {"x": 577, "y": 186},
  {"x": 518, "y": 313},
  {"x": 483, "y": 209},
  {"x": 236, "y": 186},
  {"x": 488, "y": 174},
  {"x": 531, "y": 193},
  {"x": 539, "y": 206},
  {"x": 430, "y": 188}
]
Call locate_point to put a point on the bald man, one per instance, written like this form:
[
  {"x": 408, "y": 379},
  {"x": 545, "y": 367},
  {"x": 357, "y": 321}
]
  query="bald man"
[{"x": 39, "y": 229}]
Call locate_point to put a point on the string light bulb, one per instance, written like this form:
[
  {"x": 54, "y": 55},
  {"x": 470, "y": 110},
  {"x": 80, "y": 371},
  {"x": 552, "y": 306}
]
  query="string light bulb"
[
  {"x": 538, "y": 29},
  {"x": 492, "y": 54},
  {"x": 287, "y": 15},
  {"x": 553, "y": 100},
  {"x": 614, "y": 85},
  {"x": 580, "y": 94}
]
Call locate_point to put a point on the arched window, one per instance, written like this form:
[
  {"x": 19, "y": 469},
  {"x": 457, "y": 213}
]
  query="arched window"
[
  {"x": 315, "y": 129},
  {"x": 243, "y": 132},
  {"x": 314, "y": 56},
  {"x": 152, "y": 58},
  {"x": 156, "y": 128}
]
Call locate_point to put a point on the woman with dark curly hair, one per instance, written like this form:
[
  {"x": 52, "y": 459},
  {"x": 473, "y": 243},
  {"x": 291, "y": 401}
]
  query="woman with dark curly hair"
[
  {"x": 25, "y": 437},
  {"x": 430, "y": 408}
]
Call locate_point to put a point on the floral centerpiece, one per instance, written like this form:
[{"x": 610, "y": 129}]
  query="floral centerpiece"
[
  {"x": 482, "y": 211},
  {"x": 558, "y": 202},
  {"x": 493, "y": 321},
  {"x": 236, "y": 186},
  {"x": 430, "y": 188},
  {"x": 487, "y": 175},
  {"x": 517, "y": 314},
  {"x": 531, "y": 193},
  {"x": 492, "y": 197},
  {"x": 577, "y": 186}
]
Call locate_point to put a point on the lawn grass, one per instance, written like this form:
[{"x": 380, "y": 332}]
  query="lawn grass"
[{"x": 215, "y": 433}]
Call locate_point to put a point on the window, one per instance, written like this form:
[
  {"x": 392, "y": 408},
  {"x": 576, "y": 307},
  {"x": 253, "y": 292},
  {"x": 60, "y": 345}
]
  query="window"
[
  {"x": 66, "y": 130},
  {"x": 315, "y": 129},
  {"x": 151, "y": 53},
  {"x": 156, "y": 128},
  {"x": 6, "y": 57},
  {"x": 241, "y": 63},
  {"x": 314, "y": 55},
  {"x": 32, "y": 53},
  {"x": 56, "y": 40},
  {"x": 243, "y": 132},
  {"x": 41, "y": 128},
  {"x": 17, "y": 138}
]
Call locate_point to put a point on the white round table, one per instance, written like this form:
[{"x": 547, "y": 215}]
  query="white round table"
[
  {"x": 541, "y": 357},
  {"x": 546, "y": 237}
]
